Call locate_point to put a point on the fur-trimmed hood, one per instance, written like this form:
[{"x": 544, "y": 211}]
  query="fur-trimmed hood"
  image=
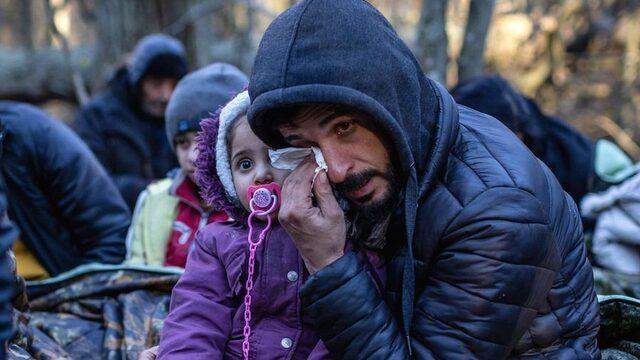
[{"x": 213, "y": 171}]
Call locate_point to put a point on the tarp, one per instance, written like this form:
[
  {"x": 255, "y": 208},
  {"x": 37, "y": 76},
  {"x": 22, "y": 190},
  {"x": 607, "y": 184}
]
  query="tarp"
[
  {"x": 94, "y": 312},
  {"x": 115, "y": 312}
]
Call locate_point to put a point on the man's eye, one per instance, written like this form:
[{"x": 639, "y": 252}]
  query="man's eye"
[
  {"x": 344, "y": 127},
  {"x": 245, "y": 164}
]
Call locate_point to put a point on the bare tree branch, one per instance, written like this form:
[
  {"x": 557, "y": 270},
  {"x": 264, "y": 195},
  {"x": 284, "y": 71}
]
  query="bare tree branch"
[
  {"x": 204, "y": 8},
  {"x": 471, "y": 60},
  {"x": 78, "y": 84},
  {"x": 431, "y": 39}
]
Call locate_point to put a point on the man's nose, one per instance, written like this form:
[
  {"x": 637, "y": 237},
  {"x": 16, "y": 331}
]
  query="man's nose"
[
  {"x": 339, "y": 163},
  {"x": 166, "y": 90}
]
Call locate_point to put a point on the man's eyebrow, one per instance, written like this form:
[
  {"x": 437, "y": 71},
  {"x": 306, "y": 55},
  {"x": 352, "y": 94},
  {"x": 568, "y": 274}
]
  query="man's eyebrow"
[
  {"x": 329, "y": 117},
  {"x": 291, "y": 138}
]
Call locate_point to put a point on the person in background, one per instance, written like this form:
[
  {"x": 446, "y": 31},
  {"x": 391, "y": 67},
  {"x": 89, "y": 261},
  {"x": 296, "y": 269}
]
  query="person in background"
[
  {"x": 62, "y": 200},
  {"x": 8, "y": 234},
  {"x": 125, "y": 126},
  {"x": 169, "y": 212},
  {"x": 568, "y": 153}
]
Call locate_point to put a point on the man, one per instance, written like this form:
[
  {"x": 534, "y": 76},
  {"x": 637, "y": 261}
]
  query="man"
[
  {"x": 562, "y": 148},
  {"x": 496, "y": 264},
  {"x": 125, "y": 126},
  {"x": 59, "y": 196},
  {"x": 170, "y": 211}
]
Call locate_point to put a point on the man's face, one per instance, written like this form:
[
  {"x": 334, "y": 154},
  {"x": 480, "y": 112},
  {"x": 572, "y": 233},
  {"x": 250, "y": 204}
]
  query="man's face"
[
  {"x": 156, "y": 92},
  {"x": 356, "y": 153},
  {"x": 186, "y": 152}
]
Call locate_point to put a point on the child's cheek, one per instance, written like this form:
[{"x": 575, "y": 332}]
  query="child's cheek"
[{"x": 241, "y": 184}]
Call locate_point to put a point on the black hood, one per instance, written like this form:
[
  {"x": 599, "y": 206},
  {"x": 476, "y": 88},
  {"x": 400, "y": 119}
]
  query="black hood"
[{"x": 344, "y": 52}]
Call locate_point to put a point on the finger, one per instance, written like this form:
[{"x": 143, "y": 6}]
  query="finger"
[
  {"x": 297, "y": 186},
  {"x": 324, "y": 194}
]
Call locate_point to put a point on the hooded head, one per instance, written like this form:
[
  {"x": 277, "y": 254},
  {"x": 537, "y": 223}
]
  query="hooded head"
[
  {"x": 157, "y": 63},
  {"x": 200, "y": 94},
  {"x": 335, "y": 52},
  {"x": 213, "y": 167},
  {"x": 158, "y": 55}
]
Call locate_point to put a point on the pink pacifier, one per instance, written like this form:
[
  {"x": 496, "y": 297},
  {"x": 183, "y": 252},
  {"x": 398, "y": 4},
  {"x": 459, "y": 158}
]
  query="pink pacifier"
[{"x": 263, "y": 199}]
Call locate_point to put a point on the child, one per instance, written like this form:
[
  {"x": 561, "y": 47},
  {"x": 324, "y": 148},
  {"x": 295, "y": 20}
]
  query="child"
[
  {"x": 207, "y": 315},
  {"x": 169, "y": 212}
]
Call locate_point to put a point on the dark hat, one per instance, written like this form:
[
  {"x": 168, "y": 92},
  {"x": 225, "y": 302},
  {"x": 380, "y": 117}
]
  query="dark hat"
[{"x": 199, "y": 94}]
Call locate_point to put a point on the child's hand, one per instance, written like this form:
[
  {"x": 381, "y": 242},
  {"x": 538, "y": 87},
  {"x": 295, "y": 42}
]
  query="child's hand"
[
  {"x": 149, "y": 354},
  {"x": 319, "y": 232}
]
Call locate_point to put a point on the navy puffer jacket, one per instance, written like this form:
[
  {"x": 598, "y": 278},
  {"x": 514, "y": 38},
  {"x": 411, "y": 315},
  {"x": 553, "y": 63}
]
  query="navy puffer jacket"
[
  {"x": 66, "y": 207},
  {"x": 497, "y": 266},
  {"x": 130, "y": 144}
]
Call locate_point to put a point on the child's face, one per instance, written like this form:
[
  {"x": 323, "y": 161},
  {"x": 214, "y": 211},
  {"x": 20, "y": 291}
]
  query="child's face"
[
  {"x": 186, "y": 152},
  {"x": 250, "y": 164}
]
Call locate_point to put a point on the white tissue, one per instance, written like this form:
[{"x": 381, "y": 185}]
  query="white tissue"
[{"x": 290, "y": 158}]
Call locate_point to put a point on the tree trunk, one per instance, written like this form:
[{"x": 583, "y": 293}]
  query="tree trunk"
[
  {"x": 431, "y": 39},
  {"x": 120, "y": 24},
  {"x": 471, "y": 60}
]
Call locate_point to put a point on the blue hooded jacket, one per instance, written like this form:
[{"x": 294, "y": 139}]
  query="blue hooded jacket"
[
  {"x": 497, "y": 265},
  {"x": 130, "y": 144}
]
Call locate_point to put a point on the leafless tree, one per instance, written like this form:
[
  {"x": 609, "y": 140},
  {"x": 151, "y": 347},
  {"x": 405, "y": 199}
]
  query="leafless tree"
[
  {"x": 471, "y": 60},
  {"x": 431, "y": 39}
]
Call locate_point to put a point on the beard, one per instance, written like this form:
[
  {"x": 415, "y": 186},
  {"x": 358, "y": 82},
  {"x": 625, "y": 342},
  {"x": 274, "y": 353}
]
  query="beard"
[
  {"x": 154, "y": 109},
  {"x": 367, "y": 219}
]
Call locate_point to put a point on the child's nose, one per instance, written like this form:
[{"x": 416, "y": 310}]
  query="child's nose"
[{"x": 263, "y": 175}]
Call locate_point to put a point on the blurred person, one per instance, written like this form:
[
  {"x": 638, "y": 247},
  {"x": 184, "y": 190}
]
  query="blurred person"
[
  {"x": 616, "y": 236},
  {"x": 8, "y": 234},
  {"x": 568, "y": 153},
  {"x": 169, "y": 212},
  {"x": 124, "y": 127},
  {"x": 66, "y": 207}
]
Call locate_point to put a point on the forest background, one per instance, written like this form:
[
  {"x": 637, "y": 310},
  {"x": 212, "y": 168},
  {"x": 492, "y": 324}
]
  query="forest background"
[{"x": 580, "y": 59}]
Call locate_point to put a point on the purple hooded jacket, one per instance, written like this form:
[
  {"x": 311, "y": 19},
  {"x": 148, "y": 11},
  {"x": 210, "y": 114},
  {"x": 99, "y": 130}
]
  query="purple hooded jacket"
[{"x": 206, "y": 318}]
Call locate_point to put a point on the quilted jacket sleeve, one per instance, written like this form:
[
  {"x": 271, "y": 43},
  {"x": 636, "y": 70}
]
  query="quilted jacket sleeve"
[{"x": 497, "y": 263}]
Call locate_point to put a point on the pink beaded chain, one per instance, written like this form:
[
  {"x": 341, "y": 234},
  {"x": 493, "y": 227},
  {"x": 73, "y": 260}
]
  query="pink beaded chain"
[{"x": 261, "y": 198}]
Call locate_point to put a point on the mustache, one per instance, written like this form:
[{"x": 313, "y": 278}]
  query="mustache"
[{"x": 356, "y": 181}]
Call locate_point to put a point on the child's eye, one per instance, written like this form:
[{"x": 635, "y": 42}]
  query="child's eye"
[
  {"x": 182, "y": 143},
  {"x": 245, "y": 164},
  {"x": 344, "y": 127}
]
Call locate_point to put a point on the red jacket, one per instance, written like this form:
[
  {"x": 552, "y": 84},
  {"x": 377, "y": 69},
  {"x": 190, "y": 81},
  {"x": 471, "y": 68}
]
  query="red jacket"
[{"x": 191, "y": 216}]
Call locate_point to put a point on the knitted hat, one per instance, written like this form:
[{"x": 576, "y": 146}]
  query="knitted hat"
[
  {"x": 213, "y": 168},
  {"x": 159, "y": 55},
  {"x": 199, "y": 94}
]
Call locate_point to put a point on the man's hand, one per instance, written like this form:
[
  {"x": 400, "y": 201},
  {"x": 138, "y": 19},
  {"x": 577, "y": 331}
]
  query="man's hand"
[{"x": 319, "y": 232}]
